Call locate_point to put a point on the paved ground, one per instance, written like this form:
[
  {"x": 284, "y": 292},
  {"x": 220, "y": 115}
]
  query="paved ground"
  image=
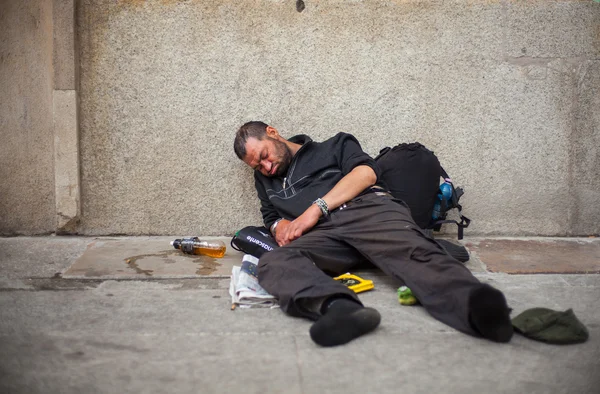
[{"x": 70, "y": 322}]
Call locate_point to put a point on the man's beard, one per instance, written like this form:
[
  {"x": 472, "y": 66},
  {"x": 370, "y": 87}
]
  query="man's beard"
[{"x": 285, "y": 158}]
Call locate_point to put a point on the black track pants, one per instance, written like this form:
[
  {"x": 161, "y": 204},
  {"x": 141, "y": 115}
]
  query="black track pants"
[{"x": 377, "y": 229}]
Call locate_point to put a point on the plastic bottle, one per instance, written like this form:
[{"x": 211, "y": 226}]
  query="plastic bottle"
[
  {"x": 445, "y": 193},
  {"x": 446, "y": 189},
  {"x": 437, "y": 207},
  {"x": 197, "y": 246}
]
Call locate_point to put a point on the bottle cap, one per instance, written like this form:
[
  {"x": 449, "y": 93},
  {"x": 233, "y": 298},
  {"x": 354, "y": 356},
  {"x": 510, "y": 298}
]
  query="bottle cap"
[{"x": 176, "y": 244}]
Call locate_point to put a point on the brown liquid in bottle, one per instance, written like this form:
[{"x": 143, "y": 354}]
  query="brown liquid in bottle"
[
  {"x": 210, "y": 251},
  {"x": 198, "y": 247}
]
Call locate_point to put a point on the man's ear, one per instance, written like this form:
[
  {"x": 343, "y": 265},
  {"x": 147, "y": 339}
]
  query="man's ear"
[{"x": 272, "y": 132}]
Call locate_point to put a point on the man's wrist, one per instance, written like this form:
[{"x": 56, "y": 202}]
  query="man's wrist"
[
  {"x": 322, "y": 205},
  {"x": 273, "y": 228}
]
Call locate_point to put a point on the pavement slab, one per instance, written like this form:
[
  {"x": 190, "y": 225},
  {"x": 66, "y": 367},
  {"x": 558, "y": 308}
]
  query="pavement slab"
[
  {"x": 39, "y": 257},
  {"x": 147, "y": 257},
  {"x": 541, "y": 255}
]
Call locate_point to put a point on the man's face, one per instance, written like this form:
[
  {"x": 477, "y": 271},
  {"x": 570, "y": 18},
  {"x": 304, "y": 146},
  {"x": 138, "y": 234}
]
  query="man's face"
[{"x": 269, "y": 156}]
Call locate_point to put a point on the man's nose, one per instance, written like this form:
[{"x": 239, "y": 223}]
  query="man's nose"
[{"x": 267, "y": 165}]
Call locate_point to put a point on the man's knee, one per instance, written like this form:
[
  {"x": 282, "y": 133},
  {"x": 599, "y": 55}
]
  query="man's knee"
[{"x": 275, "y": 258}]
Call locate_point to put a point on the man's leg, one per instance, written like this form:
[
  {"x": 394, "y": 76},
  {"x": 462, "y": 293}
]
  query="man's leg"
[
  {"x": 383, "y": 231},
  {"x": 294, "y": 274}
]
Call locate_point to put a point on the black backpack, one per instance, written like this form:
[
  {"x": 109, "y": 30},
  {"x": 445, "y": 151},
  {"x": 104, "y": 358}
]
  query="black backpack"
[{"x": 412, "y": 174}]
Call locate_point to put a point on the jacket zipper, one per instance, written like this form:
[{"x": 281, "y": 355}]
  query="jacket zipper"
[{"x": 291, "y": 169}]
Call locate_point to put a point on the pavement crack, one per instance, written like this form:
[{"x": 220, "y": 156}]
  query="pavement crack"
[
  {"x": 116, "y": 346},
  {"x": 299, "y": 365}
]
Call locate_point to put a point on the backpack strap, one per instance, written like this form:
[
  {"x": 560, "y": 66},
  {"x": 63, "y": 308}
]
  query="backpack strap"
[
  {"x": 444, "y": 173},
  {"x": 464, "y": 223}
]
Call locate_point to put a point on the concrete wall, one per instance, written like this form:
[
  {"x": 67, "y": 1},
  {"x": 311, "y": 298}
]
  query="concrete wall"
[
  {"x": 26, "y": 133},
  {"x": 39, "y": 154},
  {"x": 505, "y": 92}
]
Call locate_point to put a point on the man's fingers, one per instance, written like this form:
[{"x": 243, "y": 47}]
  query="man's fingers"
[{"x": 292, "y": 231}]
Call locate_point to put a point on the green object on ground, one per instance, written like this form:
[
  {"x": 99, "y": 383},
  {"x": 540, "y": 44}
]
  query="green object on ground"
[
  {"x": 551, "y": 326},
  {"x": 406, "y": 297}
]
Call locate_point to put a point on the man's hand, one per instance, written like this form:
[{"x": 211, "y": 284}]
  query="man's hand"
[
  {"x": 288, "y": 231},
  {"x": 280, "y": 230}
]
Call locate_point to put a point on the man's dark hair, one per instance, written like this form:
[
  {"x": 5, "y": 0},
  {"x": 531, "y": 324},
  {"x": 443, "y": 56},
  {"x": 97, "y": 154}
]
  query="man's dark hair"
[{"x": 254, "y": 129}]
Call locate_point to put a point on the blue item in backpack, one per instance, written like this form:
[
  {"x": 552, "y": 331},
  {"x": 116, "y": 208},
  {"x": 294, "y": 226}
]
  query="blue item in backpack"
[
  {"x": 446, "y": 189},
  {"x": 443, "y": 199}
]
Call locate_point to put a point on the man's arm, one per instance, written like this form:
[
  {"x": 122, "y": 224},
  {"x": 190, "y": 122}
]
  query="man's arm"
[{"x": 350, "y": 186}]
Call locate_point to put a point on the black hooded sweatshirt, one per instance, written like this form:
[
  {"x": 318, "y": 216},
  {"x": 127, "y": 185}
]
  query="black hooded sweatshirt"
[{"x": 315, "y": 169}]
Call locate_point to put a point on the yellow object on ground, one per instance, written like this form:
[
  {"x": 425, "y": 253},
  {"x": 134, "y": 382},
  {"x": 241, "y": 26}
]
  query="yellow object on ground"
[{"x": 355, "y": 283}]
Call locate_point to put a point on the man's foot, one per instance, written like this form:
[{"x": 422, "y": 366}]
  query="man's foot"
[
  {"x": 489, "y": 314},
  {"x": 343, "y": 321}
]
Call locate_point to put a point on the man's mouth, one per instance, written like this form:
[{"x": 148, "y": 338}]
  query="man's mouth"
[{"x": 273, "y": 170}]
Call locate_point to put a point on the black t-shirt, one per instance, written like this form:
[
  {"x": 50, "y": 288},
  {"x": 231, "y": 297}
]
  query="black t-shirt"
[{"x": 315, "y": 169}]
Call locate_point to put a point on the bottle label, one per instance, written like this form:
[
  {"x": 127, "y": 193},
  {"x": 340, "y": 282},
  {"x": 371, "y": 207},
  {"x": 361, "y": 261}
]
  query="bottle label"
[{"x": 187, "y": 245}]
